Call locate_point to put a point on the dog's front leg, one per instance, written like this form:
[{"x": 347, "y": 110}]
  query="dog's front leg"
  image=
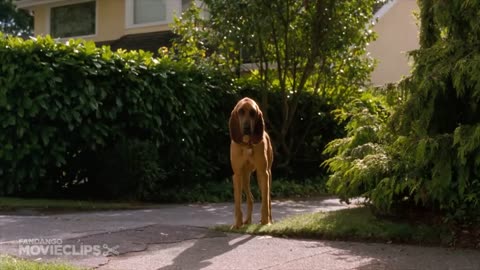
[
  {"x": 237, "y": 195},
  {"x": 269, "y": 195},
  {"x": 264, "y": 183},
  {"x": 249, "y": 195}
]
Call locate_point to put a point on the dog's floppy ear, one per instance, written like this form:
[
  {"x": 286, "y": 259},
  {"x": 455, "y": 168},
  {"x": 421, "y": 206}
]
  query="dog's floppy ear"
[
  {"x": 258, "y": 129},
  {"x": 234, "y": 127}
]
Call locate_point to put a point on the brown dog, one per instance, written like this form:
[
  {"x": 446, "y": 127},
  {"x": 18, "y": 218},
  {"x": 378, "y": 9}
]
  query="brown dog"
[{"x": 250, "y": 150}]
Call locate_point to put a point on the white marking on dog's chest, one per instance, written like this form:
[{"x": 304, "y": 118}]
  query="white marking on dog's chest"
[
  {"x": 247, "y": 154},
  {"x": 247, "y": 151}
]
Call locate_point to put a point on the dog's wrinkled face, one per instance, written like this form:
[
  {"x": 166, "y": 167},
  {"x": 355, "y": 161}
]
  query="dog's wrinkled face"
[
  {"x": 247, "y": 114},
  {"x": 246, "y": 122}
]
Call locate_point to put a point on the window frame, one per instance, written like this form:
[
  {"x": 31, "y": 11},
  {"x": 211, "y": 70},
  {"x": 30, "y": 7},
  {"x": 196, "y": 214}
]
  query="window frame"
[
  {"x": 70, "y": 3},
  {"x": 174, "y": 7}
]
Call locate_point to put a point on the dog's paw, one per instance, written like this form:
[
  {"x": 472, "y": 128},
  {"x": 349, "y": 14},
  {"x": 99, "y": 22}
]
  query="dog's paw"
[
  {"x": 266, "y": 223},
  {"x": 235, "y": 227}
]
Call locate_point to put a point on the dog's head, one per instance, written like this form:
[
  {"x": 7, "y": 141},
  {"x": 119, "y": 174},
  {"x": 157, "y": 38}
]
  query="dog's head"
[{"x": 246, "y": 122}]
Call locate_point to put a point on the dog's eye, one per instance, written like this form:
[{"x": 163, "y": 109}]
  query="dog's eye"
[
  {"x": 253, "y": 113},
  {"x": 241, "y": 111}
]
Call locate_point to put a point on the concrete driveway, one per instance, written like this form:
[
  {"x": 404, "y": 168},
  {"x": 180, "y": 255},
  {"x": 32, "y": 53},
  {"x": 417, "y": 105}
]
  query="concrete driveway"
[{"x": 176, "y": 237}]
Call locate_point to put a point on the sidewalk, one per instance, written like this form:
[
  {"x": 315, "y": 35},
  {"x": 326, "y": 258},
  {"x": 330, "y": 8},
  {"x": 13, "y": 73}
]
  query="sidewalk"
[{"x": 176, "y": 237}]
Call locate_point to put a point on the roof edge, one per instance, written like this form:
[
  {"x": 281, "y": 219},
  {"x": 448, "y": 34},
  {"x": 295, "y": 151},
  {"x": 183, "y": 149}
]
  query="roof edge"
[
  {"x": 25, "y": 4},
  {"x": 384, "y": 9}
]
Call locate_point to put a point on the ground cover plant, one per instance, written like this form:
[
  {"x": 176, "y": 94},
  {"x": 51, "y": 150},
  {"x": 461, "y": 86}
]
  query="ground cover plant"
[
  {"x": 11, "y": 263},
  {"x": 355, "y": 224}
]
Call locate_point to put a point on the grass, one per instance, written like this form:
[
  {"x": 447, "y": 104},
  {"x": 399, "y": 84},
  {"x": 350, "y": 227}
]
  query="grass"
[
  {"x": 12, "y": 203},
  {"x": 355, "y": 224},
  {"x": 10, "y": 263},
  {"x": 205, "y": 192}
]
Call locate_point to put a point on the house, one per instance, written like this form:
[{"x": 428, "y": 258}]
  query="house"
[
  {"x": 127, "y": 24},
  {"x": 398, "y": 33}
]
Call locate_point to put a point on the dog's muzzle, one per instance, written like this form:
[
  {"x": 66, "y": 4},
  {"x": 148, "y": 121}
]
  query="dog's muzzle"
[{"x": 246, "y": 130}]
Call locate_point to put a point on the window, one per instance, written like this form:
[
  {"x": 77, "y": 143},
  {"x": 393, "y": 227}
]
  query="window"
[
  {"x": 148, "y": 11},
  {"x": 73, "y": 20},
  {"x": 151, "y": 12}
]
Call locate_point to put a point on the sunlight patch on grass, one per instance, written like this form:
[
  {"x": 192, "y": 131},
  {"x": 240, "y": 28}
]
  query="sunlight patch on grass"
[
  {"x": 10, "y": 263},
  {"x": 357, "y": 224}
]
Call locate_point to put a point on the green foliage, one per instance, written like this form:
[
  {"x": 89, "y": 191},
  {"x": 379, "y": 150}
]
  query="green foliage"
[
  {"x": 191, "y": 31},
  {"x": 84, "y": 121},
  {"x": 14, "y": 21},
  {"x": 360, "y": 162},
  {"x": 63, "y": 104},
  {"x": 291, "y": 189},
  {"x": 293, "y": 35},
  {"x": 429, "y": 154},
  {"x": 132, "y": 168},
  {"x": 295, "y": 47},
  {"x": 222, "y": 191},
  {"x": 440, "y": 120}
]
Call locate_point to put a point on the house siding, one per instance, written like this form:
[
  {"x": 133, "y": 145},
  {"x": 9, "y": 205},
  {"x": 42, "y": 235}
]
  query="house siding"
[
  {"x": 111, "y": 21},
  {"x": 40, "y": 20},
  {"x": 397, "y": 32}
]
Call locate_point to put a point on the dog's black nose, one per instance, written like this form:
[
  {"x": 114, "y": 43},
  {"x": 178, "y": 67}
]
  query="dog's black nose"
[{"x": 246, "y": 130}]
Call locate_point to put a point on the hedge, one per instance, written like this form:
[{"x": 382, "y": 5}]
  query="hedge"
[
  {"x": 82, "y": 120},
  {"x": 59, "y": 103}
]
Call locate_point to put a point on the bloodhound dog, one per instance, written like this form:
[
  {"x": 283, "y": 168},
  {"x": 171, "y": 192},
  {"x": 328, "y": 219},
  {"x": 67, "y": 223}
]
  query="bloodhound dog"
[{"x": 250, "y": 150}]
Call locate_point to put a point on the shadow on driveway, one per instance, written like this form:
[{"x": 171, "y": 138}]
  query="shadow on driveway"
[{"x": 198, "y": 255}]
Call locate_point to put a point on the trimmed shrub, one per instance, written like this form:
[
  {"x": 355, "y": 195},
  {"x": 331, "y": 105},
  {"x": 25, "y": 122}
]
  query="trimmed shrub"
[
  {"x": 84, "y": 121},
  {"x": 63, "y": 104},
  {"x": 131, "y": 170}
]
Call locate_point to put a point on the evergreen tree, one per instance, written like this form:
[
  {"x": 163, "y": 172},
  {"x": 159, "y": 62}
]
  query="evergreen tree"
[{"x": 429, "y": 154}]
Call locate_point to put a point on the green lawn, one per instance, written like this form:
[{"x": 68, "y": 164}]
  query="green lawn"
[
  {"x": 10, "y": 263},
  {"x": 11, "y": 203},
  {"x": 358, "y": 224}
]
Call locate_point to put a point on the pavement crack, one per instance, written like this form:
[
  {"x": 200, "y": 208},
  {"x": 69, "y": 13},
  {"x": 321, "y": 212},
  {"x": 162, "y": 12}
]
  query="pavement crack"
[
  {"x": 140, "y": 239},
  {"x": 102, "y": 264}
]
